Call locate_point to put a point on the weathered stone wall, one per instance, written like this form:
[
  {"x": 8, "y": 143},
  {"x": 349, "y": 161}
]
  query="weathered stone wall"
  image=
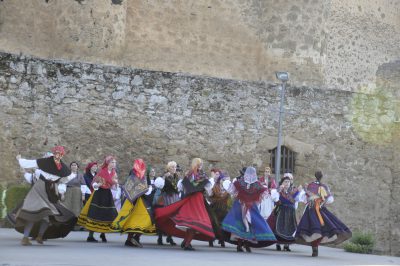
[
  {"x": 96, "y": 110},
  {"x": 327, "y": 43}
]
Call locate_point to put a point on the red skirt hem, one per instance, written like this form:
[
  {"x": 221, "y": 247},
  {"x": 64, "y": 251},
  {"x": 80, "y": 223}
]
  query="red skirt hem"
[{"x": 189, "y": 212}]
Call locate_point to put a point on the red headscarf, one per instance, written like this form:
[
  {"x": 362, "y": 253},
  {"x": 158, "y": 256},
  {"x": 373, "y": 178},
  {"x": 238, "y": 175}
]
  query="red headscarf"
[
  {"x": 139, "y": 168},
  {"x": 108, "y": 177},
  {"x": 89, "y": 166},
  {"x": 58, "y": 149}
]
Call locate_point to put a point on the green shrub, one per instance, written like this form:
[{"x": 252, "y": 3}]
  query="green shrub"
[
  {"x": 1, "y": 202},
  {"x": 14, "y": 196},
  {"x": 366, "y": 239},
  {"x": 360, "y": 243}
]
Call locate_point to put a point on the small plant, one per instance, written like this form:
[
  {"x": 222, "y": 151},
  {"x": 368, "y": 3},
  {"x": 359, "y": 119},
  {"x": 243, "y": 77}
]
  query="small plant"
[{"x": 360, "y": 243}]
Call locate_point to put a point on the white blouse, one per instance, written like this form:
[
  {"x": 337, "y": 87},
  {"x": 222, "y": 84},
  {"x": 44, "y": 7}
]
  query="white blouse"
[{"x": 24, "y": 163}]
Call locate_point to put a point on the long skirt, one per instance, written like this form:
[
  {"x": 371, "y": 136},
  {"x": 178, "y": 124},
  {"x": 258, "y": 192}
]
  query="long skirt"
[
  {"x": 134, "y": 218},
  {"x": 259, "y": 235},
  {"x": 188, "y": 213},
  {"x": 217, "y": 213},
  {"x": 283, "y": 223},
  {"x": 37, "y": 207},
  {"x": 99, "y": 212},
  {"x": 310, "y": 229},
  {"x": 73, "y": 200}
]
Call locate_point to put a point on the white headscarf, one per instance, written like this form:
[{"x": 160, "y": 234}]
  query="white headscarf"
[{"x": 250, "y": 176}]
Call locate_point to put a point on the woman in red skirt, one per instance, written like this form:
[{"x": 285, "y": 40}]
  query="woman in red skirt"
[{"x": 188, "y": 218}]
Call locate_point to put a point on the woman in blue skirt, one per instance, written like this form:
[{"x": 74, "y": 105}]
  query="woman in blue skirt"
[
  {"x": 318, "y": 225},
  {"x": 244, "y": 222}
]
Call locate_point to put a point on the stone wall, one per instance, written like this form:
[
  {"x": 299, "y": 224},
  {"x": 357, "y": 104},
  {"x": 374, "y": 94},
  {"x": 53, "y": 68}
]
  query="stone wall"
[
  {"x": 95, "y": 110},
  {"x": 326, "y": 43}
]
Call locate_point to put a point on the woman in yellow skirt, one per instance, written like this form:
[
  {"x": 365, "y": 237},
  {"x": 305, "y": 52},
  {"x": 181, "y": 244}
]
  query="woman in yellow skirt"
[
  {"x": 99, "y": 211},
  {"x": 134, "y": 217}
]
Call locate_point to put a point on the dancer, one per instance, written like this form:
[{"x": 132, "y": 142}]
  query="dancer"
[
  {"x": 135, "y": 215},
  {"x": 41, "y": 215},
  {"x": 318, "y": 225},
  {"x": 244, "y": 221},
  {"x": 188, "y": 218},
  {"x": 283, "y": 218},
  {"x": 220, "y": 202},
  {"x": 167, "y": 193},
  {"x": 90, "y": 173},
  {"x": 99, "y": 211}
]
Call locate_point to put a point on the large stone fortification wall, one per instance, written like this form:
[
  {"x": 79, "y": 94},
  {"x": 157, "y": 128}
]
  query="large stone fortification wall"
[
  {"x": 96, "y": 110},
  {"x": 211, "y": 92},
  {"x": 331, "y": 43}
]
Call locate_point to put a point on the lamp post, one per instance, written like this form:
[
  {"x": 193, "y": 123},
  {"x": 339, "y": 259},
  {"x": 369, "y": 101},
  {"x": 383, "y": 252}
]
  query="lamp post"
[{"x": 283, "y": 77}]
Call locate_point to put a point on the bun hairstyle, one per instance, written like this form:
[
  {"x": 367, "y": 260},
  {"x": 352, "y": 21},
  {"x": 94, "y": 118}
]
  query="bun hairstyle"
[
  {"x": 318, "y": 175},
  {"x": 283, "y": 179}
]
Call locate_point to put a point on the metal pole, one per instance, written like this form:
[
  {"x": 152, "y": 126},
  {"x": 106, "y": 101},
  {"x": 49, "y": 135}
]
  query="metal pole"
[{"x": 278, "y": 148}]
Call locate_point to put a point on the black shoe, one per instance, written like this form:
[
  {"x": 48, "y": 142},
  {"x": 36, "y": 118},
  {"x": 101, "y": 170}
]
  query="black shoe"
[
  {"x": 239, "y": 249},
  {"x": 136, "y": 240},
  {"x": 160, "y": 241},
  {"x": 91, "y": 239},
  {"x": 190, "y": 248},
  {"x": 286, "y": 248},
  {"x": 247, "y": 247},
  {"x": 314, "y": 252},
  {"x": 183, "y": 244},
  {"x": 129, "y": 243},
  {"x": 211, "y": 243},
  {"x": 103, "y": 238},
  {"x": 222, "y": 244},
  {"x": 278, "y": 247},
  {"x": 171, "y": 241}
]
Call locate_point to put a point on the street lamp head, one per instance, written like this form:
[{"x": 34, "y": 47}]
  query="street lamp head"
[{"x": 282, "y": 76}]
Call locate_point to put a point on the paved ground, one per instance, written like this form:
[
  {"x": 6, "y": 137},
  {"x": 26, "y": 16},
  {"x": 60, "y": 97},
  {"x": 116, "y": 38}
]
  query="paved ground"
[{"x": 73, "y": 250}]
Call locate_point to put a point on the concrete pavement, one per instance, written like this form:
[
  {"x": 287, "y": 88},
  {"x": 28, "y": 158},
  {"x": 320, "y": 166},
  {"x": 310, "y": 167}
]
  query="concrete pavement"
[{"x": 73, "y": 250}]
